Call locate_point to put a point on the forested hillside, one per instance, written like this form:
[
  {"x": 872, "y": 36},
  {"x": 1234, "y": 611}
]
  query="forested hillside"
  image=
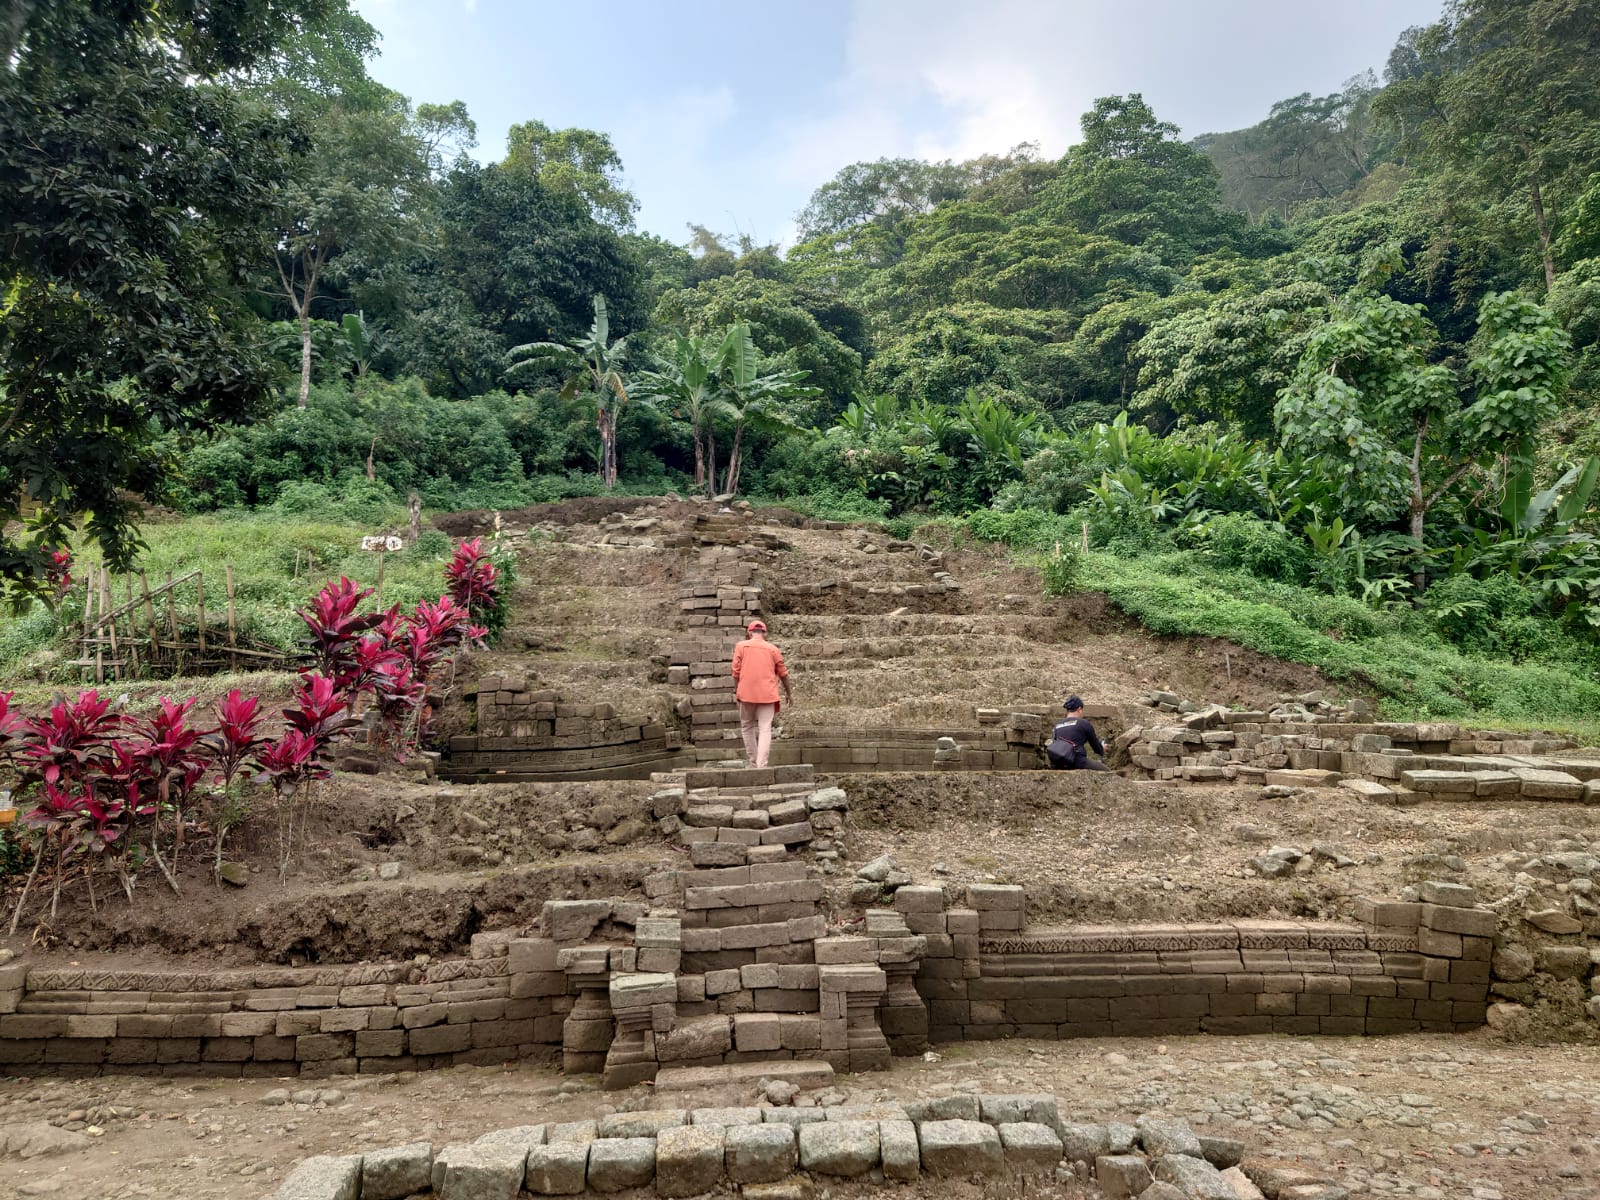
[{"x": 1341, "y": 365}]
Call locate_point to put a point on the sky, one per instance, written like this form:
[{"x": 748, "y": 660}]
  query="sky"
[{"x": 730, "y": 115}]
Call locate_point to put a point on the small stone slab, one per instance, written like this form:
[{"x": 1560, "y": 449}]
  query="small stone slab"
[
  {"x": 725, "y": 1116},
  {"x": 1161, "y": 1137},
  {"x": 959, "y": 1147},
  {"x": 1438, "y": 783},
  {"x": 1368, "y": 789},
  {"x": 1450, "y": 895},
  {"x": 642, "y": 989},
  {"x": 1194, "y": 1177},
  {"x": 1548, "y": 785},
  {"x": 899, "y": 1149},
  {"x": 479, "y": 1172},
  {"x": 688, "y": 1159},
  {"x": 761, "y": 1153},
  {"x": 325, "y": 1177},
  {"x": 803, "y": 1074},
  {"x": 1221, "y": 1152},
  {"x": 581, "y": 1132},
  {"x": 847, "y": 1148},
  {"x": 944, "y": 1108},
  {"x": 526, "y": 1136},
  {"x": 558, "y": 1168},
  {"x": 397, "y": 1172},
  {"x": 619, "y": 1163},
  {"x": 1029, "y": 1145}
]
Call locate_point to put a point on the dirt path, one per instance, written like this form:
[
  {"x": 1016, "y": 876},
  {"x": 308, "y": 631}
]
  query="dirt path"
[{"x": 1427, "y": 1117}]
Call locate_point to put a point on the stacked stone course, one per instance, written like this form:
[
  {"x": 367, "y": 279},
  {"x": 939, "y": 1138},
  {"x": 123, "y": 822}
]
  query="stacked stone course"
[{"x": 691, "y": 1152}]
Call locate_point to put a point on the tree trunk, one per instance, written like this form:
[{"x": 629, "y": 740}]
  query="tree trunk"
[
  {"x": 305, "y": 353},
  {"x": 1544, "y": 235},
  {"x": 608, "y": 448},
  {"x": 730, "y": 481},
  {"x": 1419, "y": 577},
  {"x": 699, "y": 459},
  {"x": 711, "y": 460}
]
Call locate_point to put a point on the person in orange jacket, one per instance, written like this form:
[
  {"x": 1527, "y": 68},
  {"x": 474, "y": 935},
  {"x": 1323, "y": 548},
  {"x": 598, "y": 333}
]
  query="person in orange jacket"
[{"x": 758, "y": 673}]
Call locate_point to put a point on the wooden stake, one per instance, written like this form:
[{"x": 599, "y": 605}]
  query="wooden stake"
[
  {"x": 1086, "y": 537},
  {"x": 135, "y": 667},
  {"x": 172, "y": 627},
  {"x": 200, "y": 600},
  {"x": 150, "y": 619},
  {"x": 233, "y": 641},
  {"x": 105, "y": 607}
]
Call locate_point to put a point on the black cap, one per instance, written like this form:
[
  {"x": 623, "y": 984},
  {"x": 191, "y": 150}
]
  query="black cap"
[{"x": 1071, "y": 703}]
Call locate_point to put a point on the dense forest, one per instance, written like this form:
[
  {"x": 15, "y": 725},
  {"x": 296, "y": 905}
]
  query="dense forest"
[{"x": 1344, "y": 361}]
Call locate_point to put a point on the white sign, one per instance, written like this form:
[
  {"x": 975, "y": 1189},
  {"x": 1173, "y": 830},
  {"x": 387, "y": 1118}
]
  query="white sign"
[{"x": 382, "y": 542}]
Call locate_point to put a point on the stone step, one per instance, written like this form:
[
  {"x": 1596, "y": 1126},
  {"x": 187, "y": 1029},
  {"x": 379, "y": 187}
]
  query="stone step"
[
  {"x": 803, "y": 1073},
  {"x": 733, "y": 777}
]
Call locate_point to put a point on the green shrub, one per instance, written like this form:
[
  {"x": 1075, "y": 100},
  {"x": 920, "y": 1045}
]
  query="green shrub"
[
  {"x": 1060, "y": 569},
  {"x": 1022, "y": 528},
  {"x": 1246, "y": 543}
]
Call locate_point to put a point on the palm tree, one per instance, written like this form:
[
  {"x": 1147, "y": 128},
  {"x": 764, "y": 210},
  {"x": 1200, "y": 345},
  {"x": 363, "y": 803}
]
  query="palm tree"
[
  {"x": 688, "y": 383},
  {"x": 590, "y": 364}
]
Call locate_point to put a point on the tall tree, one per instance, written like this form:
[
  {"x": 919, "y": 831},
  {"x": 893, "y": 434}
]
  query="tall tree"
[
  {"x": 576, "y": 162},
  {"x": 592, "y": 365},
  {"x": 687, "y": 384},
  {"x": 134, "y": 189},
  {"x": 752, "y": 397},
  {"x": 1511, "y": 104}
]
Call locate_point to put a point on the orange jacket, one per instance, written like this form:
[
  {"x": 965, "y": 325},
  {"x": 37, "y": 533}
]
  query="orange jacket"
[{"x": 757, "y": 667}]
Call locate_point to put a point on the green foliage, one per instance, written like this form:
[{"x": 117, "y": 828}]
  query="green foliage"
[
  {"x": 1421, "y": 675},
  {"x": 1240, "y": 542}
]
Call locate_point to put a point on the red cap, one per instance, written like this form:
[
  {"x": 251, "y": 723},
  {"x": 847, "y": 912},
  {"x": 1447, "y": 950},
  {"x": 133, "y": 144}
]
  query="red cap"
[{"x": 761, "y": 625}]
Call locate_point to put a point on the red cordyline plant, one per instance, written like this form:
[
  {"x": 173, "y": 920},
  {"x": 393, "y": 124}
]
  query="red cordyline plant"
[
  {"x": 174, "y": 753},
  {"x": 473, "y": 582},
  {"x": 236, "y": 736},
  {"x": 336, "y": 627},
  {"x": 58, "y": 573}
]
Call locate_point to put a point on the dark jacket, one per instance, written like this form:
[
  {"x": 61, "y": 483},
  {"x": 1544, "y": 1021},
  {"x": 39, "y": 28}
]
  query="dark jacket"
[{"x": 1068, "y": 739}]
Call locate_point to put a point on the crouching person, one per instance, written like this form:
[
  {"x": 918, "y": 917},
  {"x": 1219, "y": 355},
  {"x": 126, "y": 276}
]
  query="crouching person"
[{"x": 1069, "y": 738}]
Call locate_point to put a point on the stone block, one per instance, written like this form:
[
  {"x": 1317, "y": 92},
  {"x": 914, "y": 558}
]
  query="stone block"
[
  {"x": 959, "y": 1147},
  {"x": 1121, "y": 1176},
  {"x": 962, "y": 1107},
  {"x": 845, "y": 1148},
  {"x": 1029, "y": 1146},
  {"x": 725, "y": 1116},
  {"x": 397, "y": 1172},
  {"x": 325, "y": 1177},
  {"x": 1083, "y": 1142},
  {"x": 992, "y": 897},
  {"x": 479, "y": 1171},
  {"x": 1038, "y": 1109},
  {"x": 573, "y": 920},
  {"x": 616, "y": 1164},
  {"x": 628, "y": 1126},
  {"x": 762, "y": 1153},
  {"x": 1442, "y": 892},
  {"x": 1476, "y": 922},
  {"x": 1548, "y": 785},
  {"x": 689, "y": 1159},
  {"x": 1195, "y": 1178},
  {"x": 642, "y": 990},
  {"x": 1162, "y": 1137},
  {"x": 558, "y": 1168},
  {"x": 757, "y": 1031}
]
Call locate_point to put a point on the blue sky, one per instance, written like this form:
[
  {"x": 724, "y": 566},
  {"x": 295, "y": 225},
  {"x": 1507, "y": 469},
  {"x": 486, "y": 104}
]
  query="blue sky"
[{"x": 731, "y": 114}]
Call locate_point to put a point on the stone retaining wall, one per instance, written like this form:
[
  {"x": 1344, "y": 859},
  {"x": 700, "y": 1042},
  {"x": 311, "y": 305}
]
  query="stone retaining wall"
[{"x": 1407, "y": 967}]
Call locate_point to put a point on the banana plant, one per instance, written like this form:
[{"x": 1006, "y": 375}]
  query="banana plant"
[
  {"x": 687, "y": 383},
  {"x": 752, "y": 398},
  {"x": 591, "y": 364}
]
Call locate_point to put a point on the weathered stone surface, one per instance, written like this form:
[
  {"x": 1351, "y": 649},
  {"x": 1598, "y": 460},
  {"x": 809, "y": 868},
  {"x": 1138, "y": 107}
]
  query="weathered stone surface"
[
  {"x": 558, "y": 1168},
  {"x": 526, "y": 1136},
  {"x": 959, "y": 1147},
  {"x": 573, "y": 920},
  {"x": 944, "y": 1108},
  {"x": 1162, "y": 1191},
  {"x": 760, "y": 1153},
  {"x": 1565, "y": 962},
  {"x": 796, "y": 1187},
  {"x": 580, "y": 1132},
  {"x": 1121, "y": 1176},
  {"x": 1029, "y": 1145},
  {"x": 1221, "y": 1152},
  {"x": 1194, "y": 1177},
  {"x": 839, "y": 1147},
  {"x": 618, "y": 1163},
  {"x": 642, "y": 989},
  {"x": 1439, "y": 891},
  {"x": 397, "y": 1172},
  {"x": 1243, "y": 1189},
  {"x": 899, "y": 1149},
  {"x": 725, "y": 1116},
  {"x": 688, "y": 1159},
  {"x": 325, "y": 1177},
  {"x": 480, "y": 1171},
  {"x": 1161, "y": 1137},
  {"x": 1041, "y": 1109},
  {"x": 36, "y": 1139},
  {"x": 1553, "y": 920},
  {"x": 644, "y": 1124},
  {"x": 1084, "y": 1143}
]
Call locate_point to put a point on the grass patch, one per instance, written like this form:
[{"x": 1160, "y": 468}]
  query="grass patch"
[
  {"x": 266, "y": 549},
  {"x": 1419, "y": 676}
]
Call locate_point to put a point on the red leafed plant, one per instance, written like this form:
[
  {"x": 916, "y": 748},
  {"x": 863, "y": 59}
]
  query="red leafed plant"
[
  {"x": 69, "y": 743},
  {"x": 473, "y": 582},
  {"x": 336, "y": 627},
  {"x": 58, "y": 573}
]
